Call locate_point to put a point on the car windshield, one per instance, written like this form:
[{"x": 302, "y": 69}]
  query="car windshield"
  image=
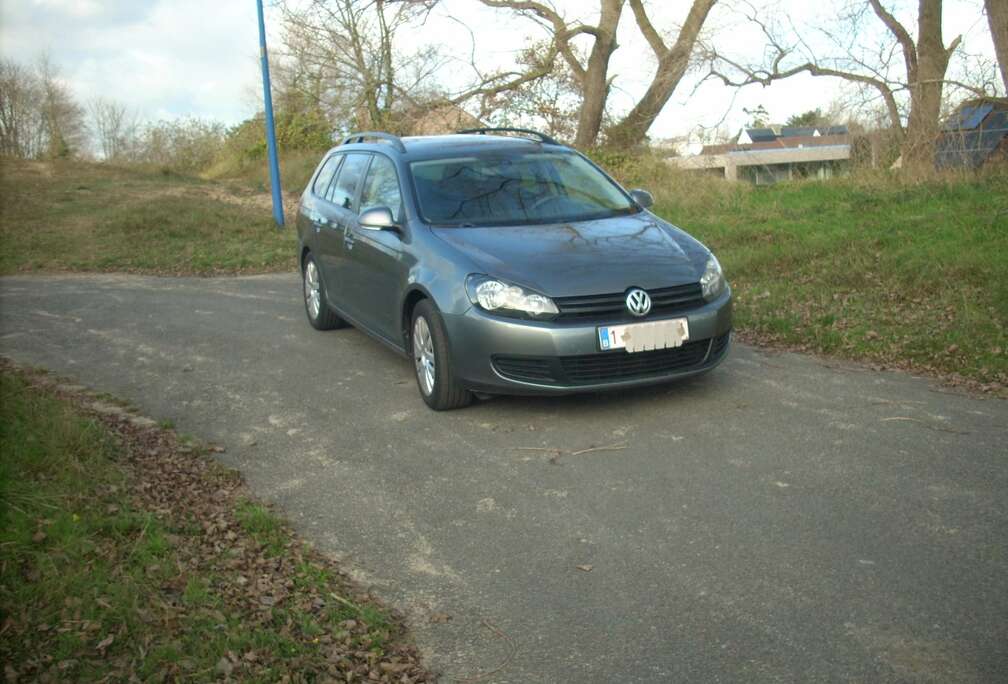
[{"x": 510, "y": 188}]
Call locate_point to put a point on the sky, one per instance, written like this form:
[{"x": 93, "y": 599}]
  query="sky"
[{"x": 171, "y": 58}]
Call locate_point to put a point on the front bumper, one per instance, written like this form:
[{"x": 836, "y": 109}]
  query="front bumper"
[{"x": 501, "y": 355}]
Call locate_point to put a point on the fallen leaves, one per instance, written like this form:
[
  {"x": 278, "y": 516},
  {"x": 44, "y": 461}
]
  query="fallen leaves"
[
  {"x": 211, "y": 574},
  {"x": 105, "y": 643}
]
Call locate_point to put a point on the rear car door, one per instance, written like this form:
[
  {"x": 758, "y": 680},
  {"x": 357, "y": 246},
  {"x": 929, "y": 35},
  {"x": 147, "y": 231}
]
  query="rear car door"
[
  {"x": 314, "y": 213},
  {"x": 335, "y": 239},
  {"x": 378, "y": 261}
]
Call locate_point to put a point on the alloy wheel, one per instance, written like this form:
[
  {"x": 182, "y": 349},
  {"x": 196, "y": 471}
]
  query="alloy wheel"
[
  {"x": 312, "y": 292},
  {"x": 423, "y": 355}
]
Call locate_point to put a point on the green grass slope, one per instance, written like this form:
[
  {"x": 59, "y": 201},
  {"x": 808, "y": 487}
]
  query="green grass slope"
[
  {"x": 90, "y": 217},
  {"x": 912, "y": 275}
]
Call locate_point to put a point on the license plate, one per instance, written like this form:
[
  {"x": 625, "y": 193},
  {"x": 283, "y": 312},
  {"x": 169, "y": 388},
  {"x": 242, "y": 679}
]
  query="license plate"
[{"x": 635, "y": 337}]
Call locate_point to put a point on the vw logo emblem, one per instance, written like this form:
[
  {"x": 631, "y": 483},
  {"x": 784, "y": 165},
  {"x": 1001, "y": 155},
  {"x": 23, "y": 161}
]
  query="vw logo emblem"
[{"x": 638, "y": 302}]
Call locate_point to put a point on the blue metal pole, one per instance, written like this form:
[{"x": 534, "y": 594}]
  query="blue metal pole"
[{"x": 271, "y": 147}]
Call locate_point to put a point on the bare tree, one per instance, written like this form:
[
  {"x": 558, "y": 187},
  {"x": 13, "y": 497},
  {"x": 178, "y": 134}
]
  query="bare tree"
[
  {"x": 997, "y": 18},
  {"x": 343, "y": 54},
  {"x": 551, "y": 103},
  {"x": 115, "y": 128},
  {"x": 65, "y": 118},
  {"x": 38, "y": 114},
  {"x": 592, "y": 73},
  {"x": 22, "y": 126},
  {"x": 672, "y": 64},
  {"x": 911, "y": 92}
]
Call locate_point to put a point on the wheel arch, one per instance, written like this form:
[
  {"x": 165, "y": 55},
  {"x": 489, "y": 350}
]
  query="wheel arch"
[{"x": 414, "y": 295}]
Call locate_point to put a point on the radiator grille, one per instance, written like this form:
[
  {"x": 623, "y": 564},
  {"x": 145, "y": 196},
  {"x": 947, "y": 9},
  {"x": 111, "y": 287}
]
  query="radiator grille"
[{"x": 610, "y": 307}]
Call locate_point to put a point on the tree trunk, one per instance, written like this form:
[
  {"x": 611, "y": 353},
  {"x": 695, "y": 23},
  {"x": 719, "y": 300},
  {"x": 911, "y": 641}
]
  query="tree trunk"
[
  {"x": 926, "y": 81},
  {"x": 595, "y": 84},
  {"x": 997, "y": 17},
  {"x": 672, "y": 64}
]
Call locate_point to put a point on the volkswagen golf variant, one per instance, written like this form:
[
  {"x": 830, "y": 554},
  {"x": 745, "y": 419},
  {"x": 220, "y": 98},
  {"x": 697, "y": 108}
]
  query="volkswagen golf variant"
[{"x": 502, "y": 262}]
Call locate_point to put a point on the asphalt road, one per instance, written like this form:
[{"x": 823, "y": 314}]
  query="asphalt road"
[{"x": 781, "y": 519}]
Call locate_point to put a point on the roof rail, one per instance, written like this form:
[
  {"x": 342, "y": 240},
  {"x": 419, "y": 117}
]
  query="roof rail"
[
  {"x": 543, "y": 138},
  {"x": 387, "y": 137}
]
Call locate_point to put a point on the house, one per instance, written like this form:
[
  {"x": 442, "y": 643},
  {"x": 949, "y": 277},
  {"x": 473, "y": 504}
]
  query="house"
[
  {"x": 975, "y": 135},
  {"x": 762, "y": 156},
  {"x": 439, "y": 119}
]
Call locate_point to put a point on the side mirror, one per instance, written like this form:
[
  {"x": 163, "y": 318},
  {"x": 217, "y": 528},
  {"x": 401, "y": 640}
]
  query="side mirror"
[
  {"x": 377, "y": 218},
  {"x": 642, "y": 197}
]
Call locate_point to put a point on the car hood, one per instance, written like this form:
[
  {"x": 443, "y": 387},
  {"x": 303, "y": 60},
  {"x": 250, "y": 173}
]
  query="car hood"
[{"x": 584, "y": 257}]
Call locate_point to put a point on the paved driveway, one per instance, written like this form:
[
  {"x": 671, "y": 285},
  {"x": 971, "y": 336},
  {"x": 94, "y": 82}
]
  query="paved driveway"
[{"x": 782, "y": 519}]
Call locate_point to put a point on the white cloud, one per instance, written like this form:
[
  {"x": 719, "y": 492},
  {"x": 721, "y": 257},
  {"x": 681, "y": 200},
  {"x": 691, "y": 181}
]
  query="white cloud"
[
  {"x": 74, "y": 8},
  {"x": 165, "y": 58}
]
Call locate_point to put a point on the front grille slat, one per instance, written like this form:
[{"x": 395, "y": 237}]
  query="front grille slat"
[
  {"x": 609, "y": 366},
  {"x": 621, "y": 365},
  {"x": 613, "y": 306}
]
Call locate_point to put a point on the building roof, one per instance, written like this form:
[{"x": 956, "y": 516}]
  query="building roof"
[
  {"x": 766, "y": 155},
  {"x": 778, "y": 143}
]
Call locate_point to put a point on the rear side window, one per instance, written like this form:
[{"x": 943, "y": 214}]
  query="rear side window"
[
  {"x": 344, "y": 190},
  {"x": 381, "y": 187},
  {"x": 321, "y": 183}
]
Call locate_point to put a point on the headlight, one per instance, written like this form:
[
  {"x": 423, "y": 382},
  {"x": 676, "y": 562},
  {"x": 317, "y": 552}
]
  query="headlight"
[
  {"x": 712, "y": 280},
  {"x": 501, "y": 297}
]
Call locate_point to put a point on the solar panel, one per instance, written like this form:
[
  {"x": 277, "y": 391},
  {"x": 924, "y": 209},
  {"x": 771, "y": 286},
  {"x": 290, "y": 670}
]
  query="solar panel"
[
  {"x": 794, "y": 131},
  {"x": 761, "y": 134},
  {"x": 968, "y": 117},
  {"x": 955, "y": 121},
  {"x": 978, "y": 114}
]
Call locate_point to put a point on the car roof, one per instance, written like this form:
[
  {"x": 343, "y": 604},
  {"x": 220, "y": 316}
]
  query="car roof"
[{"x": 438, "y": 146}]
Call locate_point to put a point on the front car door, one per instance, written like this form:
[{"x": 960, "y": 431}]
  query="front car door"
[{"x": 378, "y": 259}]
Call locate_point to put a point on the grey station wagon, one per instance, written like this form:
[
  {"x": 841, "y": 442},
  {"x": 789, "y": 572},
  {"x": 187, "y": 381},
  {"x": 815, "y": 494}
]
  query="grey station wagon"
[{"x": 503, "y": 262}]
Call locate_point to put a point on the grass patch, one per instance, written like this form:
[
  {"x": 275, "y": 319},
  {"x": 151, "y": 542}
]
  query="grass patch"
[
  {"x": 263, "y": 526},
  {"x": 107, "y": 575},
  {"x": 296, "y": 167},
  {"x": 75, "y": 216},
  {"x": 876, "y": 268}
]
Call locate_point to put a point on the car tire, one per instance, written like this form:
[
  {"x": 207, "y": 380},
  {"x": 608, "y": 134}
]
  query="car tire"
[
  {"x": 431, "y": 361},
  {"x": 319, "y": 314}
]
